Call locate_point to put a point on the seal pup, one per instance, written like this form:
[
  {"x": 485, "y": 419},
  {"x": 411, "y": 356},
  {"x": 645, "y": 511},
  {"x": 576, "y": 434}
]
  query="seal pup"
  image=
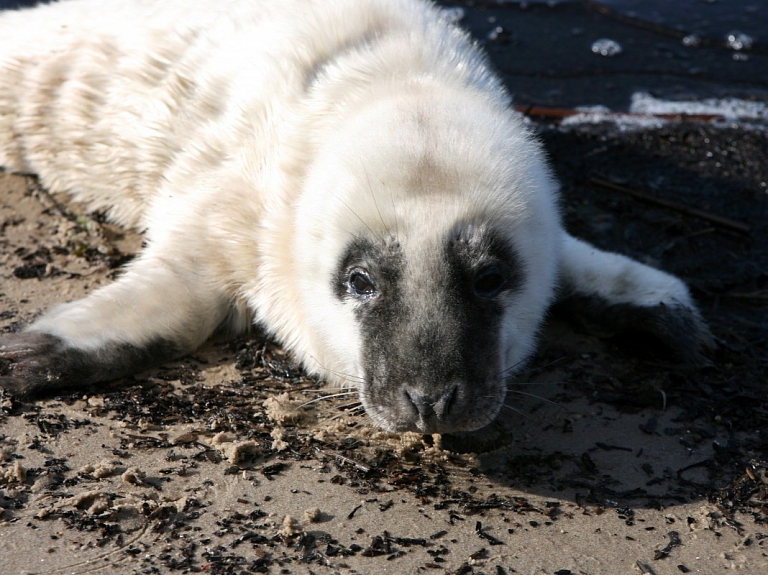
[{"x": 348, "y": 174}]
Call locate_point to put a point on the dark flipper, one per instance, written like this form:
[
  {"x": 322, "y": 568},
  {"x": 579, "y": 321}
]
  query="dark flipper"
[
  {"x": 677, "y": 329},
  {"x": 33, "y": 362},
  {"x": 610, "y": 294}
]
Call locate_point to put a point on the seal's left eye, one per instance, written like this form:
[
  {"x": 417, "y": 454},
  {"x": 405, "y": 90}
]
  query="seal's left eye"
[
  {"x": 360, "y": 283},
  {"x": 489, "y": 282}
]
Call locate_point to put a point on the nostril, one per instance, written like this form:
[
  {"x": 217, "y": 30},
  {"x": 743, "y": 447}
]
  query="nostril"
[
  {"x": 447, "y": 401},
  {"x": 428, "y": 406},
  {"x": 418, "y": 400}
]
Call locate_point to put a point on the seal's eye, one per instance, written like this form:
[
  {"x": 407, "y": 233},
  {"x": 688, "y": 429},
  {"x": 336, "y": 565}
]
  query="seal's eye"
[
  {"x": 489, "y": 281},
  {"x": 360, "y": 283}
]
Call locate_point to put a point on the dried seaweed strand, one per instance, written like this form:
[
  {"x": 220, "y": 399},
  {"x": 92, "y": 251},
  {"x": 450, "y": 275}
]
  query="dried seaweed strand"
[
  {"x": 721, "y": 221},
  {"x": 559, "y": 113}
]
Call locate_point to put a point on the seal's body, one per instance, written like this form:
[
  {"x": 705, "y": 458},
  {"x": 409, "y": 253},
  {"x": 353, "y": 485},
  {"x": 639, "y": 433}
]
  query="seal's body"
[{"x": 346, "y": 173}]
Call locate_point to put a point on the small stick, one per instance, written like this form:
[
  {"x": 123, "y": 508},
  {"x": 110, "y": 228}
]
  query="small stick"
[
  {"x": 343, "y": 459},
  {"x": 645, "y": 569},
  {"x": 727, "y": 223},
  {"x": 351, "y": 514}
]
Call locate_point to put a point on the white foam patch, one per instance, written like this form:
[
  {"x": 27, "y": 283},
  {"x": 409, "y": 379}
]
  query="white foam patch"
[
  {"x": 599, "y": 114},
  {"x": 732, "y": 109},
  {"x": 646, "y": 111}
]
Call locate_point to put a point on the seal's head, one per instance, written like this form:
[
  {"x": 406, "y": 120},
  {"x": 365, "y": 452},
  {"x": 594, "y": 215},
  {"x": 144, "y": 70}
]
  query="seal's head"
[{"x": 434, "y": 233}]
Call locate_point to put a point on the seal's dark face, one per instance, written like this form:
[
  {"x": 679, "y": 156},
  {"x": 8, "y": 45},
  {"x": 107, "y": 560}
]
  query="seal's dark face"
[{"x": 430, "y": 318}]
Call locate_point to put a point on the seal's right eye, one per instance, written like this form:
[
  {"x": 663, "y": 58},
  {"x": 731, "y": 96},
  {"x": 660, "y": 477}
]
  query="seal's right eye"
[
  {"x": 489, "y": 282},
  {"x": 360, "y": 284}
]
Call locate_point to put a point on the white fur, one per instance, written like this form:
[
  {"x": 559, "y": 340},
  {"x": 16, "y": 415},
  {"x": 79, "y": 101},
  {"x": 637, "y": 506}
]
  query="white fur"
[
  {"x": 616, "y": 278},
  {"x": 252, "y": 139}
]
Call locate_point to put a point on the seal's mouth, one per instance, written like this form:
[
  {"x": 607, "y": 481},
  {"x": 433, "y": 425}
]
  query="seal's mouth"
[{"x": 451, "y": 410}]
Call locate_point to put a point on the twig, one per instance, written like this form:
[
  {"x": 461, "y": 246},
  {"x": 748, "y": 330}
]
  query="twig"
[
  {"x": 645, "y": 569},
  {"x": 721, "y": 221},
  {"x": 343, "y": 459}
]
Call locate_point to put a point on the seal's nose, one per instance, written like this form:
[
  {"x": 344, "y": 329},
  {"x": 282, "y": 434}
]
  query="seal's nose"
[{"x": 430, "y": 411}]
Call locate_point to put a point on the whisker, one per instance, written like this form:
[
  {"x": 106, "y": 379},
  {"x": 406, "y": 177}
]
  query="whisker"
[
  {"x": 546, "y": 365},
  {"x": 394, "y": 213},
  {"x": 352, "y": 404},
  {"x": 354, "y": 213},
  {"x": 373, "y": 194},
  {"x": 343, "y": 229},
  {"x": 351, "y": 411},
  {"x": 517, "y": 411},
  {"x": 510, "y": 368},
  {"x": 375, "y": 203},
  {"x": 532, "y": 369},
  {"x": 325, "y": 397},
  {"x": 534, "y": 396},
  {"x": 532, "y": 383},
  {"x": 346, "y": 376}
]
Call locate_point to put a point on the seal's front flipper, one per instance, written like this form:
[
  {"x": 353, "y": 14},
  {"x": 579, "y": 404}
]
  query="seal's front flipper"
[
  {"x": 610, "y": 294},
  {"x": 153, "y": 313},
  {"x": 33, "y": 362}
]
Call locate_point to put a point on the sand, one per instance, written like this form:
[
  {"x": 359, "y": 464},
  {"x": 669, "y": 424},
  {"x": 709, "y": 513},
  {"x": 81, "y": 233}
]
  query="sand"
[{"x": 213, "y": 465}]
